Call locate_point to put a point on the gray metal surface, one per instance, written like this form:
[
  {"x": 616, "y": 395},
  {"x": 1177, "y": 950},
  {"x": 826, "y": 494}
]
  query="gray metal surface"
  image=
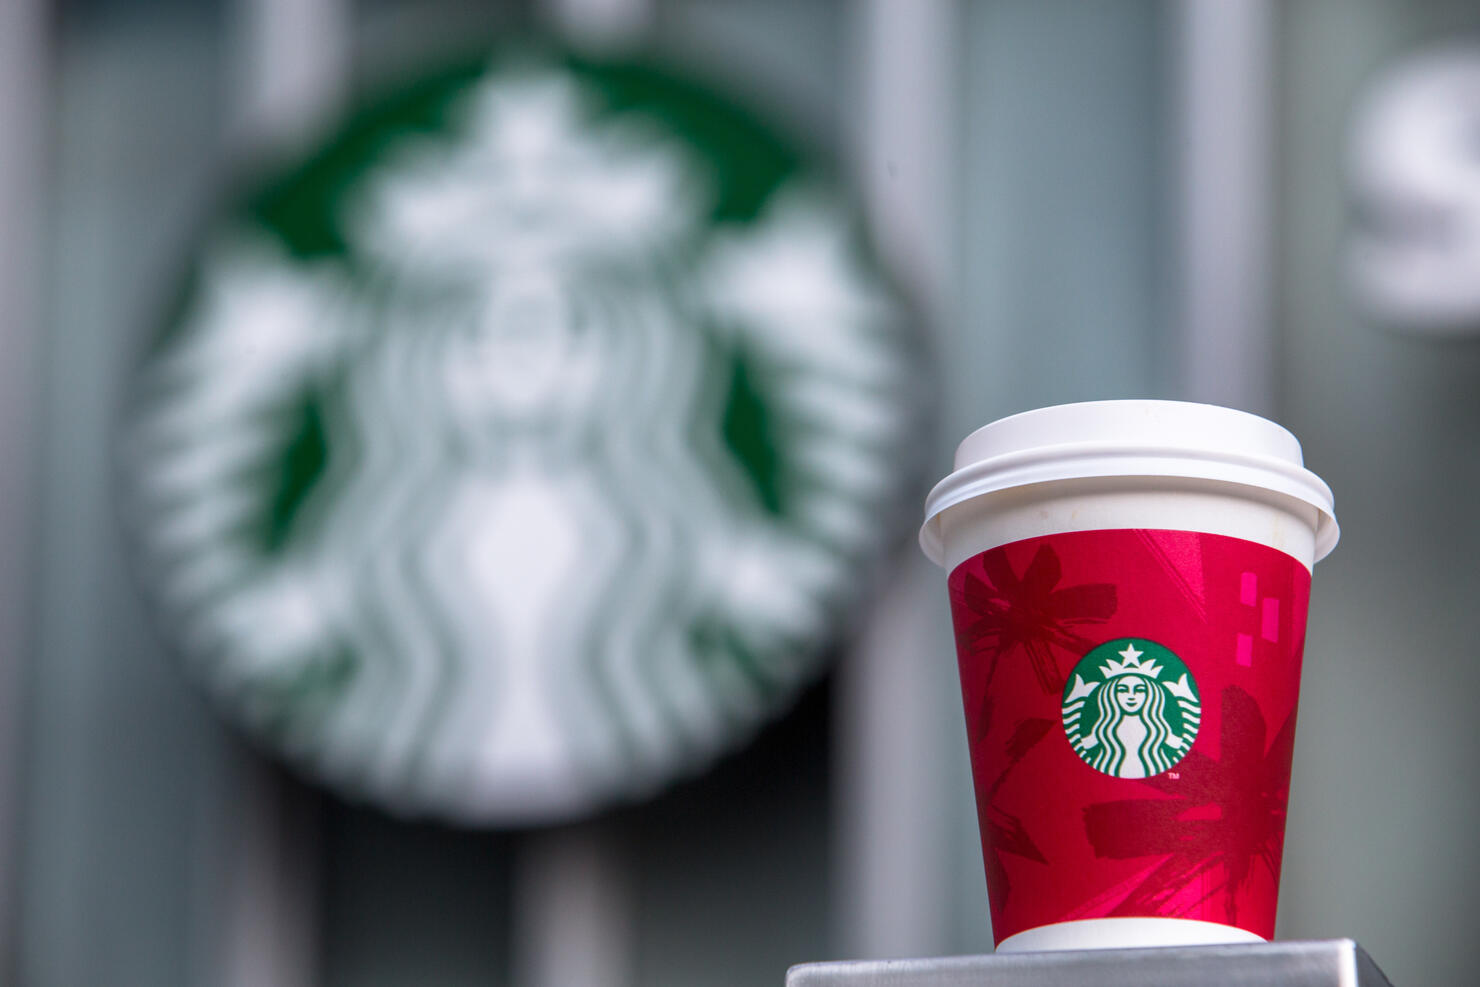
[{"x": 1326, "y": 963}]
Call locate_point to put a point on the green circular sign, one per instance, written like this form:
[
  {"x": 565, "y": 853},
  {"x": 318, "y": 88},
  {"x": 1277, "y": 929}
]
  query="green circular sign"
[
  {"x": 527, "y": 445},
  {"x": 1131, "y": 708}
]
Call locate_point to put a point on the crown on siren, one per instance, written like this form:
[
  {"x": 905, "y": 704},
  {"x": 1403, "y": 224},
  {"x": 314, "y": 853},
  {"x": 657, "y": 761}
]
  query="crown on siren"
[{"x": 1131, "y": 665}]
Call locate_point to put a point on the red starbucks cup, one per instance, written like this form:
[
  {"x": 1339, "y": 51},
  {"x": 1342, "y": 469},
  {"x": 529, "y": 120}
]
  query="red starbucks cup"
[{"x": 1129, "y": 583}]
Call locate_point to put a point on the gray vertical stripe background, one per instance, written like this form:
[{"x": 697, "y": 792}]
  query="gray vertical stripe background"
[
  {"x": 23, "y": 101},
  {"x": 1223, "y": 133},
  {"x": 895, "y": 688}
]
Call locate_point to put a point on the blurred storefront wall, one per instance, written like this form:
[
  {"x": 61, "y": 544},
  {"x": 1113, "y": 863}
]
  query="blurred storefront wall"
[{"x": 1078, "y": 228}]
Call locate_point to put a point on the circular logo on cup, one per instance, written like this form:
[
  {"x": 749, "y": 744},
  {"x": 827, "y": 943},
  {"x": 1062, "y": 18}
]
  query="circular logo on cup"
[{"x": 1131, "y": 708}]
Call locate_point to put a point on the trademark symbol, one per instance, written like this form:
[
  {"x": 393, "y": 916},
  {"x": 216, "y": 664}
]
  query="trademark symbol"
[{"x": 1174, "y": 775}]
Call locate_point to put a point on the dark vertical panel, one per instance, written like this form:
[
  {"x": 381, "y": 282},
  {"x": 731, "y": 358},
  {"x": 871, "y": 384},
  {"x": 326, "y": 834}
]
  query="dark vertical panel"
[{"x": 412, "y": 903}]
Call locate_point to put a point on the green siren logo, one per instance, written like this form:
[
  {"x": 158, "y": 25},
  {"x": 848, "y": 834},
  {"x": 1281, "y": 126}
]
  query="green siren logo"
[
  {"x": 522, "y": 449},
  {"x": 1132, "y": 709}
]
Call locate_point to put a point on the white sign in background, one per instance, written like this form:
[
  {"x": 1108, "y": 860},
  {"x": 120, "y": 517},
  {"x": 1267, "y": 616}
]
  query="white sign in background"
[{"x": 1415, "y": 180}]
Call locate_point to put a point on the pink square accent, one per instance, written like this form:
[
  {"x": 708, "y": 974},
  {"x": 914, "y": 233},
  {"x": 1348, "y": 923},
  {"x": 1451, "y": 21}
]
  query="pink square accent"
[
  {"x": 1248, "y": 589},
  {"x": 1270, "y": 619},
  {"x": 1245, "y": 653}
]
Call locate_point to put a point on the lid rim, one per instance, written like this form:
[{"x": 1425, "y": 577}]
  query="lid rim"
[
  {"x": 1070, "y": 461},
  {"x": 1101, "y": 460},
  {"x": 1160, "y": 421}
]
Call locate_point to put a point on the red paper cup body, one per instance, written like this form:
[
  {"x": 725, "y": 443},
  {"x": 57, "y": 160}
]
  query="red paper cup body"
[{"x": 1130, "y": 699}]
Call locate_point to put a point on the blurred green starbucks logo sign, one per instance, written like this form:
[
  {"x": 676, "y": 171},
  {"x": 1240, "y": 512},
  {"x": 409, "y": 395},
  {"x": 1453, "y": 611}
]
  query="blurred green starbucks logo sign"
[{"x": 525, "y": 447}]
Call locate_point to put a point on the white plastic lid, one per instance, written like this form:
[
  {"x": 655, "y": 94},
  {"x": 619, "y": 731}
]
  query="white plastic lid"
[{"x": 1129, "y": 438}]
